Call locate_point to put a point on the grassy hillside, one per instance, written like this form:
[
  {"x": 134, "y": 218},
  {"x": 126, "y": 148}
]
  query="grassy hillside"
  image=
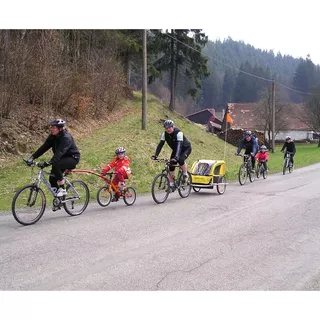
[{"x": 97, "y": 149}]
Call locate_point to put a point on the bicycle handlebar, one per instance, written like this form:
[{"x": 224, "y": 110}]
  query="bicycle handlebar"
[{"x": 167, "y": 162}]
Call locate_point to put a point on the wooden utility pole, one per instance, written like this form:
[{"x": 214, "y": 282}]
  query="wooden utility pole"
[
  {"x": 273, "y": 115},
  {"x": 144, "y": 80}
]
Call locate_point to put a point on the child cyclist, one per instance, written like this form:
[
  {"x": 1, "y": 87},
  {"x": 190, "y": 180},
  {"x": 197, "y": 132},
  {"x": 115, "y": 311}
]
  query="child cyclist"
[
  {"x": 122, "y": 171},
  {"x": 263, "y": 156}
]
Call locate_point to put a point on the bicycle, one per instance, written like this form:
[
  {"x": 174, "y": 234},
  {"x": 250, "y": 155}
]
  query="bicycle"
[
  {"x": 245, "y": 169},
  {"x": 287, "y": 164},
  {"x": 161, "y": 187},
  {"x": 261, "y": 170},
  {"x": 107, "y": 192},
  {"x": 29, "y": 202}
]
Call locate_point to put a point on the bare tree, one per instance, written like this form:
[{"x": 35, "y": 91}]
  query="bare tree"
[
  {"x": 312, "y": 115},
  {"x": 264, "y": 112}
]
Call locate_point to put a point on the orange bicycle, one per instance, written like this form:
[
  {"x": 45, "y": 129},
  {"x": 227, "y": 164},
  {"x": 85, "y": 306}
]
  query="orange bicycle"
[{"x": 107, "y": 192}]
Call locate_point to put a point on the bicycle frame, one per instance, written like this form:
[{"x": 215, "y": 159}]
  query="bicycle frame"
[
  {"x": 110, "y": 185},
  {"x": 41, "y": 178},
  {"x": 287, "y": 158},
  {"x": 166, "y": 170}
]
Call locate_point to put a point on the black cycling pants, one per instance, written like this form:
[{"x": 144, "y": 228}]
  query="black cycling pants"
[
  {"x": 58, "y": 169},
  {"x": 183, "y": 156}
]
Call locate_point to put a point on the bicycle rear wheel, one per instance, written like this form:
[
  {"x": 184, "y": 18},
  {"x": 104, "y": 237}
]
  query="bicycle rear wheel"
[
  {"x": 130, "y": 196},
  {"x": 160, "y": 188},
  {"x": 221, "y": 186},
  {"x": 28, "y": 205},
  {"x": 104, "y": 196},
  {"x": 243, "y": 174},
  {"x": 77, "y": 198},
  {"x": 251, "y": 175},
  {"x": 184, "y": 188}
]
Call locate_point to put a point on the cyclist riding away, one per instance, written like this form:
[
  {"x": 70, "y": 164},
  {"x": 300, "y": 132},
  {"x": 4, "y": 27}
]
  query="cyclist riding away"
[
  {"x": 121, "y": 163},
  {"x": 181, "y": 149},
  {"x": 263, "y": 156},
  {"x": 290, "y": 146},
  {"x": 66, "y": 155},
  {"x": 250, "y": 144}
]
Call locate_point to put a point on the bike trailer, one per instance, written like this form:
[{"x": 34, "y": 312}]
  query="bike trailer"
[{"x": 207, "y": 173}]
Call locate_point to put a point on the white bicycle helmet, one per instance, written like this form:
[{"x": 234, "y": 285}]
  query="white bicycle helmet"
[
  {"x": 168, "y": 124},
  {"x": 120, "y": 150}
]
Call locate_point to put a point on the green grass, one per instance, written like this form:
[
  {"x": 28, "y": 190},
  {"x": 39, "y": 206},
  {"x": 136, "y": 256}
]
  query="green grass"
[{"x": 98, "y": 149}]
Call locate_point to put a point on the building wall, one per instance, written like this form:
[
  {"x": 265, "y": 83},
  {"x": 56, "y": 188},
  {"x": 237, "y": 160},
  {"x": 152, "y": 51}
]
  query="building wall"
[{"x": 294, "y": 134}]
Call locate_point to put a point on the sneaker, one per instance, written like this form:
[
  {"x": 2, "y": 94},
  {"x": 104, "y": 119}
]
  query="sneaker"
[
  {"x": 114, "y": 199},
  {"x": 54, "y": 208},
  {"x": 184, "y": 179},
  {"x": 61, "y": 192}
]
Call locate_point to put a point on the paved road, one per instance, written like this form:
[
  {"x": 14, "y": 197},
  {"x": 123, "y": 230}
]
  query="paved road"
[{"x": 261, "y": 236}]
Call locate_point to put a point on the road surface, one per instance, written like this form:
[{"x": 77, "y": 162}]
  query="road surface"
[{"x": 264, "y": 235}]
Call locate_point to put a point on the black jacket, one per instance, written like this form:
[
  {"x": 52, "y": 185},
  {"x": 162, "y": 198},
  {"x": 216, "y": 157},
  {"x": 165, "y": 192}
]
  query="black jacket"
[
  {"x": 62, "y": 145},
  {"x": 289, "y": 146}
]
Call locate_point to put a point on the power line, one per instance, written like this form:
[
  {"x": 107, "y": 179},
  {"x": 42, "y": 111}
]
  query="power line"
[{"x": 237, "y": 69}]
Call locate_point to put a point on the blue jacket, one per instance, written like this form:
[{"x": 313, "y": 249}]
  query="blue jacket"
[{"x": 250, "y": 146}]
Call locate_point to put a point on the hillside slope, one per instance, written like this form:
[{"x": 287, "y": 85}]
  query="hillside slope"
[{"x": 98, "y": 142}]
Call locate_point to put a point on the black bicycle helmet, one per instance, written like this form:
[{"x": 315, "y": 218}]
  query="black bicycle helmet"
[{"x": 60, "y": 123}]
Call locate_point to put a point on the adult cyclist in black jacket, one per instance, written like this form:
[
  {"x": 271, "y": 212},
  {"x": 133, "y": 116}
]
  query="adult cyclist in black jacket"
[
  {"x": 290, "y": 146},
  {"x": 65, "y": 154},
  {"x": 180, "y": 145}
]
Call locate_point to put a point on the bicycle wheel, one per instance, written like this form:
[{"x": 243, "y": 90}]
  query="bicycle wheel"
[
  {"x": 184, "y": 188},
  {"x": 104, "y": 196},
  {"x": 258, "y": 171},
  {"x": 251, "y": 175},
  {"x": 221, "y": 186},
  {"x": 77, "y": 198},
  {"x": 196, "y": 189},
  {"x": 130, "y": 196},
  {"x": 160, "y": 188},
  {"x": 265, "y": 174},
  {"x": 285, "y": 164},
  {"x": 290, "y": 167},
  {"x": 243, "y": 174},
  {"x": 28, "y": 205}
]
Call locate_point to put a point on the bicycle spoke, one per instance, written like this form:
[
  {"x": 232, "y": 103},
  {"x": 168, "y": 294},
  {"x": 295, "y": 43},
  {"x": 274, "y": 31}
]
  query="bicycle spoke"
[{"x": 77, "y": 198}]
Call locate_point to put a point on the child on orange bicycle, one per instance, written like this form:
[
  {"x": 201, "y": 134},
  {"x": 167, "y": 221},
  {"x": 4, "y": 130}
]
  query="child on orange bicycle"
[
  {"x": 122, "y": 171},
  {"x": 263, "y": 156}
]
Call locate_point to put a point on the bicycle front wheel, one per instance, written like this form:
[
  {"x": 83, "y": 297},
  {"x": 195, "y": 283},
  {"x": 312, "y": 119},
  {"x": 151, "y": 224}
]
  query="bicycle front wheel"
[
  {"x": 184, "y": 186},
  {"x": 160, "y": 188},
  {"x": 265, "y": 174},
  {"x": 290, "y": 167},
  {"x": 130, "y": 196},
  {"x": 258, "y": 171},
  {"x": 77, "y": 198},
  {"x": 285, "y": 164},
  {"x": 104, "y": 196},
  {"x": 243, "y": 174},
  {"x": 28, "y": 205}
]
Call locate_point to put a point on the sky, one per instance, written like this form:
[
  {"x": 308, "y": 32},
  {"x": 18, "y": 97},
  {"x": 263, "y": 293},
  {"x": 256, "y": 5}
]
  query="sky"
[{"x": 279, "y": 25}]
